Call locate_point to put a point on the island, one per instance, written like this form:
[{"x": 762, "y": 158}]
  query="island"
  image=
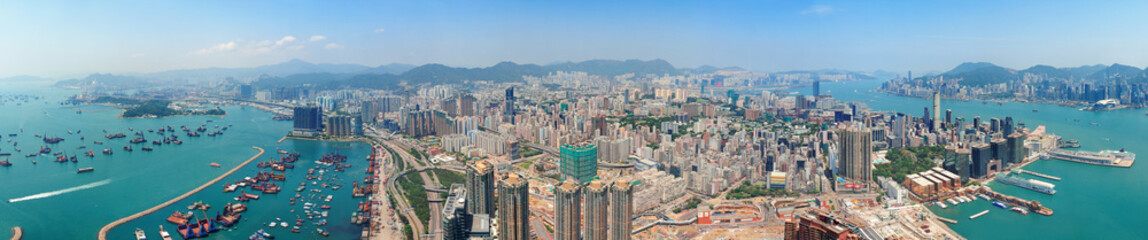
[{"x": 153, "y": 108}]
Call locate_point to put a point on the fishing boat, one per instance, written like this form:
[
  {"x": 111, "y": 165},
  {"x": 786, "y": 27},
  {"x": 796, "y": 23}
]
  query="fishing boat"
[
  {"x": 163, "y": 234},
  {"x": 5, "y": 163},
  {"x": 140, "y": 235}
]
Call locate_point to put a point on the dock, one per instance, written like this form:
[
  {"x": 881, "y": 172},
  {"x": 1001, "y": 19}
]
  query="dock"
[
  {"x": 982, "y": 213},
  {"x": 17, "y": 233},
  {"x": 950, "y": 221},
  {"x": 1038, "y": 174},
  {"x": 103, "y": 234}
]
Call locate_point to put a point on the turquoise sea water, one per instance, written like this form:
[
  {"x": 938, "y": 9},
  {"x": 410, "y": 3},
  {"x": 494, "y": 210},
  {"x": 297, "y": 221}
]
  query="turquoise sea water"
[
  {"x": 1092, "y": 202},
  {"x": 61, "y": 204}
]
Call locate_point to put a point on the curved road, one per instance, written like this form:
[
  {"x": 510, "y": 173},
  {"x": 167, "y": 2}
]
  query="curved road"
[{"x": 103, "y": 234}]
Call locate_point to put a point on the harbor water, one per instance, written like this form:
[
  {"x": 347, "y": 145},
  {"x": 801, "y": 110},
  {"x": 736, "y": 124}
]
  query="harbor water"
[
  {"x": 1092, "y": 202},
  {"x": 49, "y": 200}
]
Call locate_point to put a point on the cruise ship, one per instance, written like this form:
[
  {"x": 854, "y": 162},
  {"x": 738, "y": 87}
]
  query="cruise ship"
[
  {"x": 1030, "y": 184},
  {"x": 1119, "y": 158}
]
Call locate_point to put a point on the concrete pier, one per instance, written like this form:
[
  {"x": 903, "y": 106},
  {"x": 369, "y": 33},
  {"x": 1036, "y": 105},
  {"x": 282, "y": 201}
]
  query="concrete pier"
[
  {"x": 17, "y": 233},
  {"x": 103, "y": 234},
  {"x": 1038, "y": 174}
]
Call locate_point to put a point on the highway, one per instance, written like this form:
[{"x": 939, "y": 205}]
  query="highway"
[{"x": 435, "y": 221}]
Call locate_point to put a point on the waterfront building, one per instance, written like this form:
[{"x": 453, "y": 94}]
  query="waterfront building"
[
  {"x": 339, "y": 126},
  {"x": 1000, "y": 149},
  {"x": 513, "y": 208},
  {"x": 246, "y": 91},
  {"x": 1016, "y": 150},
  {"x": 480, "y": 187},
  {"x": 567, "y": 211},
  {"x": 308, "y": 120},
  {"x": 621, "y": 210},
  {"x": 579, "y": 162},
  {"x": 595, "y": 205},
  {"x": 981, "y": 155}
]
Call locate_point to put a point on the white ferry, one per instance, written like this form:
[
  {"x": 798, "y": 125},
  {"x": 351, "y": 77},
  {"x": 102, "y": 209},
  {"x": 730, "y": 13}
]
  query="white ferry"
[{"x": 1030, "y": 184}]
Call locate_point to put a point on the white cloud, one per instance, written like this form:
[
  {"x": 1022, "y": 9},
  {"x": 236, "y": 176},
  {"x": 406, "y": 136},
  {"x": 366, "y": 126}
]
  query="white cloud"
[
  {"x": 379, "y": 30},
  {"x": 222, "y": 47},
  {"x": 331, "y": 46},
  {"x": 285, "y": 40},
  {"x": 819, "y": 10},
  {"x": 257, "y": 47}
]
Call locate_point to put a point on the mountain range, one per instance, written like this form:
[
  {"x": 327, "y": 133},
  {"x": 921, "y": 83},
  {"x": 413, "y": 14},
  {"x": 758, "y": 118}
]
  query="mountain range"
[
  {"x": 295, "y": 72},
  {"x": 983, "y": 73}
]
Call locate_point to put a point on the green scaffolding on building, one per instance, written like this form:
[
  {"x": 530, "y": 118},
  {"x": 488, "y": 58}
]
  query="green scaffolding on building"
[{"x": 580, "y": 162}]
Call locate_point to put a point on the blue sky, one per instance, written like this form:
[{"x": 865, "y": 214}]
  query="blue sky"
[{"x": 58, "y": 39}]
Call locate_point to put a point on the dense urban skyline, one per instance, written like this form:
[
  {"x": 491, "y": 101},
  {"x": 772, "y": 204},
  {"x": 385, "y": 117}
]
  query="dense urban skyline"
[{"x": 68, "y": 40}]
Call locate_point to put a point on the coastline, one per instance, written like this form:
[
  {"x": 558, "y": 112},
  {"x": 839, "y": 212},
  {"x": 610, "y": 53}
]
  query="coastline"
[
  {"x": 1073, "y": 104},
  {"x": 102, "y": 235},
  {"x": 17, "y": 233}
]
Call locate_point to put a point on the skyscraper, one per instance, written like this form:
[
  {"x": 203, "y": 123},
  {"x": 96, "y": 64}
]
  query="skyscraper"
[
  {"x": 936, "y": 111},
  {"x": 855, "y": 147},
  {"x": 567, "y": 211},
  {"x": 508, "y": 110},
  {"x": 621, "y": 210},
  {"x": 1016, "y": 147},
  {"x": 466, "y": 105},
  {"x": 513, "y": 208},
  {"x": 246, "y": 91},
  {"x": 816, "y": 88},
  {"x": 981, "y": 155},
  {"x": 579, "y": 162},
  {"x": 369, "y": 111},
  {"x": 595, "y": 203},
  {"x": 948, "y": 116},
  {"x": 480, "y": 187}
]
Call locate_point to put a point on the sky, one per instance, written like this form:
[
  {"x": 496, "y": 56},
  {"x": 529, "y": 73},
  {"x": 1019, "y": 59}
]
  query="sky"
[{"x": 58, "y": 39}]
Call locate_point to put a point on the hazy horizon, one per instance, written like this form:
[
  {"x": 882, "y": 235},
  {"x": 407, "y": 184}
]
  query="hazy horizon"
[{"x": 56, "y": 40}]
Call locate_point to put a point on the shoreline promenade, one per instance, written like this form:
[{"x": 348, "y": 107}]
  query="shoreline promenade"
[{"x": 102, "y": 235}]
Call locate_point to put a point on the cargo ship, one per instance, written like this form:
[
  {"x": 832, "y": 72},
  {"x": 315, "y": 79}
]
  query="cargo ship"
[
  {"x": 146, "y": 149},
  {"x": 1030, "y": 184},
  {"x": 5, "y": 163},
  {"x": 84, "y": 170}
]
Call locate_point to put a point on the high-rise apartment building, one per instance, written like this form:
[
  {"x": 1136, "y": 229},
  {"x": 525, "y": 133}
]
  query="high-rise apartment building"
[
  {"x": 595, "y": 206},
  {"x": 480, "y": 187},
  {"x": 513, "y": 208},
  {"x": 568, "y": 211},
  {"x": 855, "y": 148},
  {"x": 621, "y": 210}
]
